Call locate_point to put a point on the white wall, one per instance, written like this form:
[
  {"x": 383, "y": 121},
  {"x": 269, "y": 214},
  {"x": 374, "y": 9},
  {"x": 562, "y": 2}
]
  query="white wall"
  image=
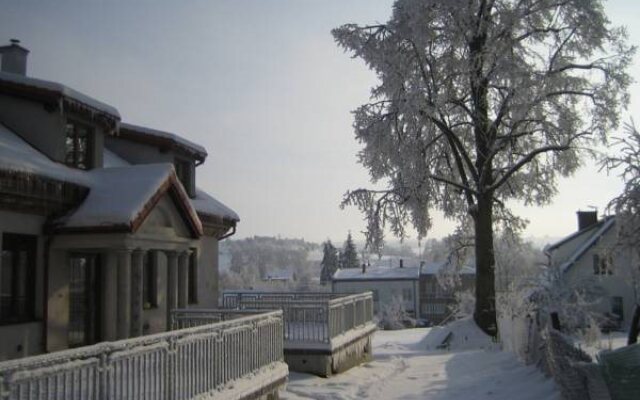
[
  {"x": 386, "y": 290},
  {"x": 621, "y": 283}
]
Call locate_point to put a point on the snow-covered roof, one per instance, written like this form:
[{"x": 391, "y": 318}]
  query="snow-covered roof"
[
  {"x": 206, "y": 204},
  {"x": 203, "y": 202},
  {"x": 18, "y": 156},
  {"x": 118, "y": 196},
  {"x": 599, "y": 229},
  {"x": 278, "y": 275},
  {"x": 112, "y": 160},
  {"x": 140, "y": 132},
  {"x": 377, "y": 274},
  {"x": 25, "y": 83}
]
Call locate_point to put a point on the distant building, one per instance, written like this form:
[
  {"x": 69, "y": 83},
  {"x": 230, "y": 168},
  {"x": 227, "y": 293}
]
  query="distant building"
[
  {"x": 437, "y": 303},
  {"x": 282, "y": 275},
  {"x": 590, "y": 254},
  {"x": 386, "y": 283},
  {"x": 102, "y": 228}
]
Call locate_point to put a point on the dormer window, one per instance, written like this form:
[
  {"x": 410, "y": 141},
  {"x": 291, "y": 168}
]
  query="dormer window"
[{"x": 78, "y": 145}]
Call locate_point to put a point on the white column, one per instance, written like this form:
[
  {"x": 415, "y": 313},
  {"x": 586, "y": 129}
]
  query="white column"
[
  {"x": 183, "y": 279},
  {"x": 124, "y": 293},
  {"x": 172, "y": 284},
  {"x": 136, "y": 292}
]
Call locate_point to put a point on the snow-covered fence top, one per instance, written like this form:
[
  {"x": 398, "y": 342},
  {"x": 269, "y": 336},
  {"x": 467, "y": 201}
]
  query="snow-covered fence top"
[
  {"x": 227, "y": 359},
  {"x": 309, "y": 318}
]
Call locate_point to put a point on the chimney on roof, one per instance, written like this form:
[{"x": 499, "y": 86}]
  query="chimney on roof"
[
  {"x": 364, "y": 268},
  {"x": 401, "y": 263},
  {"x": 14, "y": 58},
  {"x": 587, "y": 219}
]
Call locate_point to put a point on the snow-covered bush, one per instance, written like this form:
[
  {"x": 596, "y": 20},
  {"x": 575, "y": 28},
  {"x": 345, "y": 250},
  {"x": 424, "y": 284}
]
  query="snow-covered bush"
[
  {"x": 572, "y": 300},
  {"x": 394, "y": 316},
  {"x": 465, "y": 303}
]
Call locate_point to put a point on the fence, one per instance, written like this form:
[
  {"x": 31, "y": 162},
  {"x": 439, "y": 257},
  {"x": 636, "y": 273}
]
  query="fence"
[
  {"x": 176, "y": 365},
  {"x": 309, "y": 317},
  {"x": 555, "y": 354}
]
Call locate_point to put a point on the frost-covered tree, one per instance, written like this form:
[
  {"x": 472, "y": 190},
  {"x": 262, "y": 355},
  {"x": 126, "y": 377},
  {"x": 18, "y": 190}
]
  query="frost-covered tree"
[
  {"x": 481, "y": 102},
  {"x": 627, "y": 205},
  {"x": 329, "y": 262},
  {"x": 627, "y": 210},
  {"x": 349, "y": 254}
]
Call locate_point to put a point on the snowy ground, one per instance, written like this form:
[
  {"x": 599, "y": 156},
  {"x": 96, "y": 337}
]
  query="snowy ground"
[{"x": 403, "y": 368}]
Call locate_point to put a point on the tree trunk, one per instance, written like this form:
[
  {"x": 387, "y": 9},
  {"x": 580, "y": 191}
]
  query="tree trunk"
[
  {"x": 634, "y": 330},
  {"x": 485, "y": 309}
]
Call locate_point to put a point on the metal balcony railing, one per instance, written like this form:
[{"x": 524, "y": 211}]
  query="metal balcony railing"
[
  {"x": 309, "y": 317},
  {"x": 183, "y": 364}
]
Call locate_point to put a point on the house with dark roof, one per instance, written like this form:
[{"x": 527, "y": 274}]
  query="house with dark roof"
[
  {"x": 388, "y": 284},
  {"x": 590, "y": 255},
  {"x": 102, "y": 227}
]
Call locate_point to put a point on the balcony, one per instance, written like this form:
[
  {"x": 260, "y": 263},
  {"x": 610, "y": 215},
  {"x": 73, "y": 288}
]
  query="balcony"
[
  {"x": 324, "y": 333},
  {"x": 240, "y": 356}
]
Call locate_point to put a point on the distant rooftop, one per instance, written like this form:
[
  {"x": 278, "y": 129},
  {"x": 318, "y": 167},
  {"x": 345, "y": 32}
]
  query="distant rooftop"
[{"x": 377, "y": 274}]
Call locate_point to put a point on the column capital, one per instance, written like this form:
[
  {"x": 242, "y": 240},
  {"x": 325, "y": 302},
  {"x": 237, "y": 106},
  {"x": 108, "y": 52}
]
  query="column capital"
[{"x": 123, "y": 250}]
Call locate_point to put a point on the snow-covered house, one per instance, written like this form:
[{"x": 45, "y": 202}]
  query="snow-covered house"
[
  {"x": 386, "y": 283},
  {"x": 437, "y": 301},
  {"x": 589, "y": 257},
  {"x": 103, "y": 230}
]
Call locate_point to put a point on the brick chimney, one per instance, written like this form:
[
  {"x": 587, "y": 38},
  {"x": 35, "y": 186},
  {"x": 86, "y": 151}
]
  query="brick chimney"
[
  {"x": 587, "y": 219},
  {"x": 14, "y": 58}
]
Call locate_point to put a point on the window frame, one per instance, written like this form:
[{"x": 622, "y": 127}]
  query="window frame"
[
  {"x": 29, "y": 244},
  {"x": 89, "y": 136}
]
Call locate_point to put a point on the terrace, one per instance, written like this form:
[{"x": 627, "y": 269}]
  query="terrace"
[
  {"x": 239, "y": 356},
  {"x": 324, "y": 333}
]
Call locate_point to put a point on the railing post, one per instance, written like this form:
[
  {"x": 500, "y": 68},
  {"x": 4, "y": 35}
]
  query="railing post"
[
  {"x": 103, "y": 377},
  {"x": 171, "y": 369}
]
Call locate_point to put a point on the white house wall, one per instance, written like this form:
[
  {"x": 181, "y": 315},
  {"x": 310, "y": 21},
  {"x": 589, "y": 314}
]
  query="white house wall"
[
  {"x": 24, "y": 339},
  {"x": 386, "y": 290},
  {"x": 618, "y": 284},
  {"x": 207, "y": 273},
  {"x": 563, "y": 252}
]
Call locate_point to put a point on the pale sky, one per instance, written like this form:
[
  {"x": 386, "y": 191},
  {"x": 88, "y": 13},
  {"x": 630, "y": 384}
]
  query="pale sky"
[{"x": 264, "y": 88}]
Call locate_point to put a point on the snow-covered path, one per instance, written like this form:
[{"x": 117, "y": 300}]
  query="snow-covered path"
[{"x": 404, "y": 369}]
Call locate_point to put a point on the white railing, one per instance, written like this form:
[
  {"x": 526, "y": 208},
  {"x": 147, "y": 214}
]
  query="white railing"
[
  {"x": 176, "y": 365},
  {"x": 309, "y": 317}
]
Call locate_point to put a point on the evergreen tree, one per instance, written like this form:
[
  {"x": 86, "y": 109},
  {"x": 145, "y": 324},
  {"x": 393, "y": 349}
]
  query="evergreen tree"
[
  {"x": 349, "y": 256},
  {"x": 329, "y": 262}
]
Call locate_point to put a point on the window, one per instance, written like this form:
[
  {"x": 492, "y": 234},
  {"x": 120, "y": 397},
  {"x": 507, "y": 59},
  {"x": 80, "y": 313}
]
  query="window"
[
  {"x": 193, "y": 277},
  {"x": 17, "y": 278},
  {"x": 78, "y": 145},
  {"x": 602, "y": 265},
  {"x": 617, "y": 308},
  {"x": 149, "y": 281},
  {"x": 84, "y": 299}
]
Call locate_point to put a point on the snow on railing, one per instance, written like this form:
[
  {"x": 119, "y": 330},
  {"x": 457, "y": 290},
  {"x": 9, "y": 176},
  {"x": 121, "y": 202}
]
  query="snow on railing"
[
  {"x": 309, "y": 317},
  {"x": 176, "y": 365}
]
